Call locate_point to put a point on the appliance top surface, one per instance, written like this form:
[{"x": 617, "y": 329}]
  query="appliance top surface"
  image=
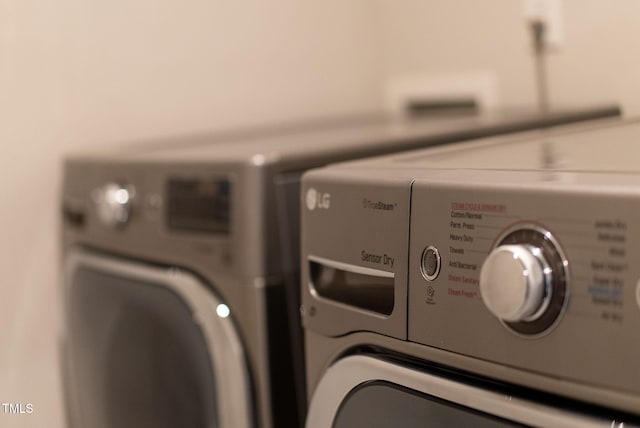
[
  {"x": 370, "y": 136},
  {"x": 612, "y": 147}
]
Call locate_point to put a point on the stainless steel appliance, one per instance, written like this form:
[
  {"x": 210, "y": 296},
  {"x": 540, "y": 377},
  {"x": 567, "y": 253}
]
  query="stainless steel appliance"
[
  {"x": 178, "y": 260},
  {"x": 490, "y": 283}
]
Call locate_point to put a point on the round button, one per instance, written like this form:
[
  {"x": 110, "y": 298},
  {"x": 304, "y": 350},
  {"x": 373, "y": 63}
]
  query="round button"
[
  {"x": 524, "y": 281},
  {"x": 513, "y": 283},
  {"x": 430, "y": 263},
  {"x": 113, "y": 203}
]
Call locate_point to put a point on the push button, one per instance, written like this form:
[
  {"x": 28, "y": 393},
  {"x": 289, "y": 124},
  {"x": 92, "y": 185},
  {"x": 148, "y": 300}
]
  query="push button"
[{"x": 430, "y": 264}]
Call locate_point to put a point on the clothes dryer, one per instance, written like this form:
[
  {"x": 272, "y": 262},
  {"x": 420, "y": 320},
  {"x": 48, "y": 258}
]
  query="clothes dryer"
[
  {"x": 176, "y": 260},
  {"x": 490, "y": 283}
]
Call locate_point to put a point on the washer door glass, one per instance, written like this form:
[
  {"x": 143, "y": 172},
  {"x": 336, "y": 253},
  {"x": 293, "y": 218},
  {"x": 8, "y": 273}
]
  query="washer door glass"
[{"x": 138, "y": 354}]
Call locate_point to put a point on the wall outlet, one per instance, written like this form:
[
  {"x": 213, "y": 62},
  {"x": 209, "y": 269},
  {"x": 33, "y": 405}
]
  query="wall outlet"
[{"x": 550, "y": 13}]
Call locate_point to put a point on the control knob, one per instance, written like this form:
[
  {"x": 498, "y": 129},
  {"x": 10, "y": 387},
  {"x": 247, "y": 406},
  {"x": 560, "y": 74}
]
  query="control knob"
[
  {"x": 514, "y": 282},
  {"x": 113, "y": 204},
  {"x": 523, "y": 280}
]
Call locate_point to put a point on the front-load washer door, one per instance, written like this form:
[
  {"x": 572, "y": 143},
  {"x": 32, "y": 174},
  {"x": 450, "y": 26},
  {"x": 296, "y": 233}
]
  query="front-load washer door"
[
  {"x": 150, "y": 347},
  {"x": 363, "y": 391}
]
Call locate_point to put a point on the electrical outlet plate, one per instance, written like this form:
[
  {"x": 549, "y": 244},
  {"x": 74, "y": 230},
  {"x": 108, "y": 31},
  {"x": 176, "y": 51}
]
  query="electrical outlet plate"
[{"x": 549, "y": 12}]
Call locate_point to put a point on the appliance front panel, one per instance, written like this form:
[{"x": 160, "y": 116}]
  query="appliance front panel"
[
  {"x": 584, "y": 328},
  {"x": 354, "y": 255},
  {"x": 218, "y": 213}
]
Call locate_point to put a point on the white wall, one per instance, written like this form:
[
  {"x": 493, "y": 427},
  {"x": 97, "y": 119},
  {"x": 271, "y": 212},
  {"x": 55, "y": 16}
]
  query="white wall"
[
  {"x": 458, "y": 36},
  {"x": 598, "y": 63},
  {"x": 76, "y": 74},
  {"x": 602, "y": 58}
]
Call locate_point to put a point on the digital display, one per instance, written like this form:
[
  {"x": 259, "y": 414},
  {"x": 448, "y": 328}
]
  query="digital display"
[{"x": 199, "y": 205}]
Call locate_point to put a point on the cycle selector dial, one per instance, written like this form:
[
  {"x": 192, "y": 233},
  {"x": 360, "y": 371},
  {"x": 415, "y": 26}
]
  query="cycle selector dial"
[
  {"x": 514, "y": 282},
  {"x": 523, "y": 280},
  {"x": 113, "y": 203}
]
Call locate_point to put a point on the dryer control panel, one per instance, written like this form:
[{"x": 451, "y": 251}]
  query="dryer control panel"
[
  {"x": 538, "y": 279},
  {"x": 160, "y": 210}
]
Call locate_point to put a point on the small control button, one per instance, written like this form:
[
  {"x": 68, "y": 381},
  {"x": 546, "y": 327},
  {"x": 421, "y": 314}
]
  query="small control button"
[
  {"x": 113, "y": 202},
  {"x": 430, "y": 265}
]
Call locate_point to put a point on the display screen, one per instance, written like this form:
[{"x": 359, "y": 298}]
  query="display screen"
[{"x": 202, "y": 205}]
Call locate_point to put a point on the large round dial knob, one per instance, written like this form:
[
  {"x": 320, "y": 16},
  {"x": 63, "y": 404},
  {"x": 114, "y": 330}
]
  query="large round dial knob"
[
  {"x": 113, "y": 204},
  {"x": 514, "y": 282},
  {"x": 524, "y": 280}
]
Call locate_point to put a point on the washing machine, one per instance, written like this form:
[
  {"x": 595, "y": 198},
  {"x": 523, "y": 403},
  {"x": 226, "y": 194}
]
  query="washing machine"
[
  {"x": 180, "y": 259},
  {"x": 486, "y": 284}
]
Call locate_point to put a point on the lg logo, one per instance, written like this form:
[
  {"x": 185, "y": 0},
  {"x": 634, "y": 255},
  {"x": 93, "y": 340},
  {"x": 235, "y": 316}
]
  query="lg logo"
[{"x": 318, "y": 200}]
